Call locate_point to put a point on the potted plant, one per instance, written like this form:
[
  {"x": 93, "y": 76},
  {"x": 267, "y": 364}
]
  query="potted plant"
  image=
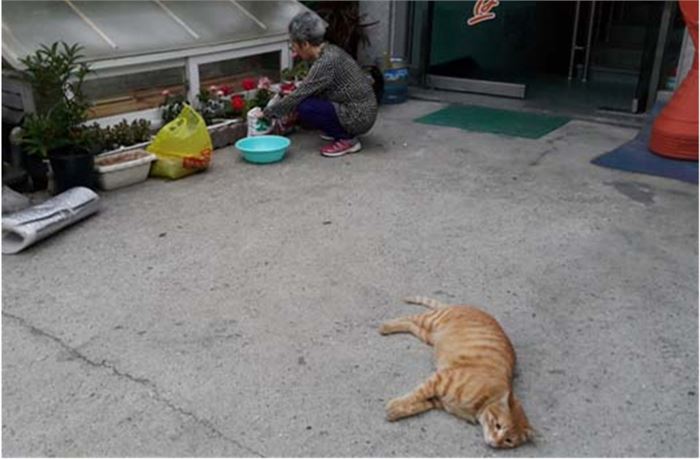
[
  {"x": 123, "y": 167},
  {"x": 222, "y": 112},
  {"x": 171, "y": 106},
  {"x": 120, "y": 159},
  {"x": 296, "y": 73},
  {"x": 209, "y": 104},
  {"x": 261, "y": 95},
  {"x": 121, "y": 136},
  {"x": 56, "y": 76},
  {"x": 34, "y": 129}
]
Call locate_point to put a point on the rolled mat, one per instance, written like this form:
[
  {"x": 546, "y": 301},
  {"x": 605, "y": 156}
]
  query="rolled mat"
[{"x": 24, "y": 228}]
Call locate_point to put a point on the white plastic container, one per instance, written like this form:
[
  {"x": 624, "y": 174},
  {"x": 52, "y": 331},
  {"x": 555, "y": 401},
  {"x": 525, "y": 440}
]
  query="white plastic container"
[
  {"x": 124, "y": 168},
  {"x": 257, "y": 125}
]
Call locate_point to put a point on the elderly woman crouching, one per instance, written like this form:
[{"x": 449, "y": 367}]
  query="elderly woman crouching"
[{"x": 335, "y": 97}]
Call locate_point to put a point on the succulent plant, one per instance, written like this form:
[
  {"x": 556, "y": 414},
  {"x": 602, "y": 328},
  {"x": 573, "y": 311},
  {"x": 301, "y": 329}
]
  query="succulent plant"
[
  {"x": 172, "y": 106},
  {"x": 141, "y": 130},
  {"x": 93, "y": 138}
]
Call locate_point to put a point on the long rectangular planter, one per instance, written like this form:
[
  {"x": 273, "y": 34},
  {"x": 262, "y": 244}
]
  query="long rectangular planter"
[
  {"x": 113, "y": 174},
  {"x": 227, "y": 133},
  {"x": 136, "y": 146},
  {"x": 123, "y": 168}
]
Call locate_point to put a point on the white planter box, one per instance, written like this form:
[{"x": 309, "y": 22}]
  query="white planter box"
[
  {"x": 123, "y": 168},
  {"x": 136, "y": 146}
]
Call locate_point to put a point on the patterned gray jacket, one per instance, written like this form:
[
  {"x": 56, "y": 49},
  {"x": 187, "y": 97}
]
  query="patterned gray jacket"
[{"x": 336, "y": 77}]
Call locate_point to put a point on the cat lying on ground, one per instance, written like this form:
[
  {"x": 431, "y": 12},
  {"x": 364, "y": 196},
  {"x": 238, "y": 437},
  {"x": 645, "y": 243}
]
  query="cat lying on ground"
[{"x": 475, "y": 362}]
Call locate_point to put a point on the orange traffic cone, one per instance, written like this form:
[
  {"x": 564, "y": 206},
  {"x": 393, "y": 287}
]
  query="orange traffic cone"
[{"x": 675, "y": 131}]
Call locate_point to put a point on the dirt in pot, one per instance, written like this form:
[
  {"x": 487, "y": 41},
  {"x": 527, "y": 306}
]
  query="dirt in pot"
[{"x": 121, "y": 158}]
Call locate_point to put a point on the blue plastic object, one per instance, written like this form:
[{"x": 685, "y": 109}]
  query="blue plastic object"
[
  {"x": 634, "y": 156},
  {"x": 263, "y": 149},
  {"x": 395, "y": 82}
]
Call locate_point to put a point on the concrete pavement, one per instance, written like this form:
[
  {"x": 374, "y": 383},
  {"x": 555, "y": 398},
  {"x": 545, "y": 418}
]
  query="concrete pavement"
[{"x": 235, "y": 313}]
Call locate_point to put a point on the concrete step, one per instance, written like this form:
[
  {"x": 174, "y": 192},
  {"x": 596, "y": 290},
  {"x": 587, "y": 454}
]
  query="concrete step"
[{"x": 612, "y": 75}]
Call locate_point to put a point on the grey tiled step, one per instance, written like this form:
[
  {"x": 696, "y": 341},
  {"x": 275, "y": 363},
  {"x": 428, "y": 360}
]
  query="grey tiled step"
[{"x": 611, "y": 74}]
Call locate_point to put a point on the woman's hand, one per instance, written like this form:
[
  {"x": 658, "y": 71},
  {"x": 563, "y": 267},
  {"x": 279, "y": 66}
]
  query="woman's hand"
[{"x": 270, "y": 111}]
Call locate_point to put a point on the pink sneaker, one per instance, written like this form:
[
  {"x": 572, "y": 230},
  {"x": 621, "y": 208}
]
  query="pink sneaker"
[{"x": 341, "y": 147}]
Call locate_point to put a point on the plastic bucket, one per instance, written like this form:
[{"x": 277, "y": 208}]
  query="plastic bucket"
[
  {"x": 395, "y": 82},
  {"x": 72, "y": 167}
]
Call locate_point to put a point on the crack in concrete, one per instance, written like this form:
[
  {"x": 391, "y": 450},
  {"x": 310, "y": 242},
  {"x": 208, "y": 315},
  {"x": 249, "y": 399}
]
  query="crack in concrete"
[
  {"x": 142, "y": 381},
  {"x": 539, "y": 159}
]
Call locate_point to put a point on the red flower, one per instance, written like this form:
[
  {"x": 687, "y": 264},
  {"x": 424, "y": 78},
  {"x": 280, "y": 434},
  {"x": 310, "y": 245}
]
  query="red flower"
[
  {"x": 225, "y": 89},
  {"x": 237, "y": 103},
  {"x": 287, "y": 88},
  {"x": 249, "y": 84}
]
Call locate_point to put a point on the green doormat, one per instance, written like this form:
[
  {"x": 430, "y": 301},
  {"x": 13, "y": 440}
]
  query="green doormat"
[{"x": 481, "y": 119}]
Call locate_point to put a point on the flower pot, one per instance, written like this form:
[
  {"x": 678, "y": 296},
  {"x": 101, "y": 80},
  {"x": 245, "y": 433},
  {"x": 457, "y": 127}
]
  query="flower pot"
[
  {"x": 38, "y": 171},
  {"x": 226, "y": 133},
  {"x": 236, "y": 131},
  {"x": 218, "y": 136},
  {"x": 116, "y": 170},
  {"x": 72, "y": 166},
  {"x": 122, "y": 148}
]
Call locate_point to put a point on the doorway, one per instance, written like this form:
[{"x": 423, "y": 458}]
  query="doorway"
[{"x": 575, "y": 56}]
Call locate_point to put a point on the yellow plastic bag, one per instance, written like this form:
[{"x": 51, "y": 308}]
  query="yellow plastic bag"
[{"x": 183, "y": 146}]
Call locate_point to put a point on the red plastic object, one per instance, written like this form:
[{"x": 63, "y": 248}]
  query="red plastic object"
[{"x": 675, "y": 131}]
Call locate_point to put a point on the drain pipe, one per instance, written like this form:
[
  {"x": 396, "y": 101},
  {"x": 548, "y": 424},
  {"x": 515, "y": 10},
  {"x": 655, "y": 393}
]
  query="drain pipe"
[{"x": 391, "y": 28}]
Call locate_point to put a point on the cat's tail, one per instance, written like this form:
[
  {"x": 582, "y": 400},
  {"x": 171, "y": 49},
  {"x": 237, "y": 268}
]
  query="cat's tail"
[{"x": 425, "y": 301}]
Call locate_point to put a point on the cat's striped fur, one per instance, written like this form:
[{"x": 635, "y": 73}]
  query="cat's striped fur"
[{"x": 475, "y": 363}]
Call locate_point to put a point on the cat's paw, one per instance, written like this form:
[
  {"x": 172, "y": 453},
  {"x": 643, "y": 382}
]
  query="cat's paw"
[
  {"x": 394, "y": 411},
  {"x": 385, "y": 329}
]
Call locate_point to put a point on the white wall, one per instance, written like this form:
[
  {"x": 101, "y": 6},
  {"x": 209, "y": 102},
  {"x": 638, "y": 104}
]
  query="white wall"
[
  {"x": 393, "y": 17},
  {"x": 378, "y": 34}
]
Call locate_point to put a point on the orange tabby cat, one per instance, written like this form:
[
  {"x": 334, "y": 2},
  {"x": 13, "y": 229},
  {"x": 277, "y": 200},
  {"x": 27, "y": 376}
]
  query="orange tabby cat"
[{"x": 475, "y": 362}]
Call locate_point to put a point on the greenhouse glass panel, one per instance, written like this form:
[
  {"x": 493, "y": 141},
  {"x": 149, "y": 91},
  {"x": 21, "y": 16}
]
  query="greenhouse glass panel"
[
  {"x": 112, "y": 29},
  {"x": 275, "y": 14},
  {"x": 136, "y": 27},
  {"x": 45, "y": 23},
  {"x": 232, "y": 72},
  {"x": 133, "y": 92},
  {"x": 216, "y": 21}
]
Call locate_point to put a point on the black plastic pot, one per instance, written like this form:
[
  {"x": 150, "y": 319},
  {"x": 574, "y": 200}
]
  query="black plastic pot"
[
  {"x": 37, "y": 170},
  {"x": 72, "y": 166}
]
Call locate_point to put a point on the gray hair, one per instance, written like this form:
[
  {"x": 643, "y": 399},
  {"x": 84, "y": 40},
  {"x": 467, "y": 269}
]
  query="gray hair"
[{"x": 307, "y": 26}]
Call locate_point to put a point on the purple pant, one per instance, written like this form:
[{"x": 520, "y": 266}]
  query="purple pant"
[{"x": 320, "y": 114}]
